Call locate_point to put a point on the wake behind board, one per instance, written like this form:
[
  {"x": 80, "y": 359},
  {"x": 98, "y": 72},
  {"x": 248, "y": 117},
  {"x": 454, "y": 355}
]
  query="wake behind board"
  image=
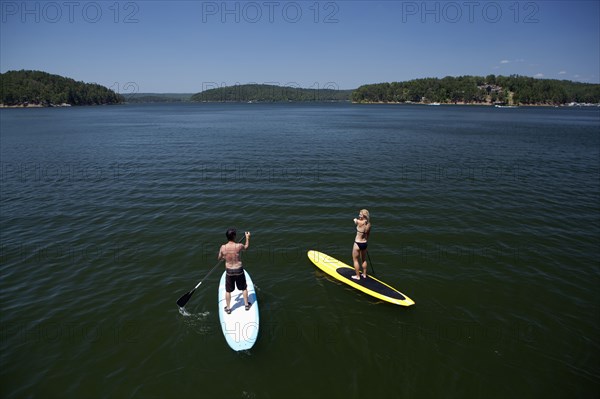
[
  {"x": 369, "y": 285},
  {"x": 240, "y": 327}
]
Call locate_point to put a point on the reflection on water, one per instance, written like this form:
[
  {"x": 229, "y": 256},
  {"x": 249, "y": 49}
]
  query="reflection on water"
[{"x": 487, "y": 218}]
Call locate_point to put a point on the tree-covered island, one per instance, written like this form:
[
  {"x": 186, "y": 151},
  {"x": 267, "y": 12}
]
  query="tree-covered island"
[
  {"x": 505, "y": 90},
  {"x": 270, "y": 93},
  {"x": 37, "y": 88}
]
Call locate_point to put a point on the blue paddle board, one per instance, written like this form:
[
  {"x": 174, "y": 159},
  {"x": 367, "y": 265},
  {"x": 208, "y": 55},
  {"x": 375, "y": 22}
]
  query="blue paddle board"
[{"x": 240, "y": 327}]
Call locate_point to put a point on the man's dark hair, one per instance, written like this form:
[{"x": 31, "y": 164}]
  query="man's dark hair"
[{"x": 230, "y": 234}]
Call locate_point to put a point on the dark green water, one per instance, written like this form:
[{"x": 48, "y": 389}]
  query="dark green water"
[{"x": 489, "y": 219}]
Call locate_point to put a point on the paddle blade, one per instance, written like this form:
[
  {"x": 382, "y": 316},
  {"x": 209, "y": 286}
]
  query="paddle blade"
[{"x": 185, "y": 298}]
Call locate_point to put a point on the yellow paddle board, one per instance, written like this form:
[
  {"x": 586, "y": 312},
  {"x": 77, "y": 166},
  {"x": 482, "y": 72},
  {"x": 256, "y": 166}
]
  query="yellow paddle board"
[{"x": 369, "y": 285}]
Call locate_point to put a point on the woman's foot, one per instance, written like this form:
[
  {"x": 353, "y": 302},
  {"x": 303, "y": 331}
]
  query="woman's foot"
[
  {"x": 356, "y": 277},
  {"x": 364, "y": 275},
  {"x": 227, "y": 310},
  {"x": 248, "y": 306}
]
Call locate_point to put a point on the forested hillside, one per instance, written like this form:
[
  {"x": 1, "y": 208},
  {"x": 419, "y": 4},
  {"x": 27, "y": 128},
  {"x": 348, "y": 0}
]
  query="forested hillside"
[
  {"x": 44, "y": 89},
  {"x": 270, "y": 93},
  {"x": 491, "y": 89}
]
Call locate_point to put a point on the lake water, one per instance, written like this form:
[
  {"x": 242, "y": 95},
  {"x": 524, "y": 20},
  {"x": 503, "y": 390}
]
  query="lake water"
[{"x": 489, "y": 219}]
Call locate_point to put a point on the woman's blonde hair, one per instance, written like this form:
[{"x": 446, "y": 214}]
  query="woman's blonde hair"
[{"x": 366, "y": 215}]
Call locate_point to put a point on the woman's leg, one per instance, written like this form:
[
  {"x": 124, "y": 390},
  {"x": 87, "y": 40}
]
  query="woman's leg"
[
  {"x": 363, "y": 255},
  {"x": 355, "y": 258}
]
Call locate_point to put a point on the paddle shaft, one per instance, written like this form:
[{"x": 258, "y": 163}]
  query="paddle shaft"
[
  {"x": 370, "y": 262},
  {"x": 181, "y": 302},
  {"x": 208, "y": 274}
]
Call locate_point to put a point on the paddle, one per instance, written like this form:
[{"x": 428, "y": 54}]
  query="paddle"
[
  {"x": 370, "y": 262},
  {"x": 186, "y": 297}
]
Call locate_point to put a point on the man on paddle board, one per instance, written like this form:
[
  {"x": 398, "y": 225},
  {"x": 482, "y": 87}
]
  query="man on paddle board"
[
  {"x": 359, "y": 249},
  {"x": 231, "y": 252}
]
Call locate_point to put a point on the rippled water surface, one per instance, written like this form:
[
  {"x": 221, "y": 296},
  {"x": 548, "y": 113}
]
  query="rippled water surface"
[{"x": 489, "y": 219}]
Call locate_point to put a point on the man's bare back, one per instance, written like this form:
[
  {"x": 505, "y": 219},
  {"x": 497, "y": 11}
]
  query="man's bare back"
[{"x": 231, "y": 252}]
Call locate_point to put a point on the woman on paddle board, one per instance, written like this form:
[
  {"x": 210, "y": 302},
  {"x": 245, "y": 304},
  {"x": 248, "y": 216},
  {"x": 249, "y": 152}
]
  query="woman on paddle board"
[
  {"x": 231, "y": 252},
  {"x": 359, "y": 249}
]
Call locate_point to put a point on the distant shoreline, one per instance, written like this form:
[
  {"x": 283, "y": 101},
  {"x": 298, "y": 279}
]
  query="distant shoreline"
[
  {"x": 63, "y": 105},
  {"x": 480, "y": 104},
  {"x": 24, "y": 106},
  {"x": 38, "y": 89},
  {"x": 4, "y": 106}
]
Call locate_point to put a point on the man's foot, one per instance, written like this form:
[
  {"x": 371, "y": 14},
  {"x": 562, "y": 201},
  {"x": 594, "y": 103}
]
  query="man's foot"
[
  {"x": 356, "y": 277},
  {"x": 227, "y": 310},
  {"x": 248, "y": 306}
]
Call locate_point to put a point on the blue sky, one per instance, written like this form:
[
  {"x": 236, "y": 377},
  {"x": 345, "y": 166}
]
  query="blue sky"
[{"x": 188, "y": 46}]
